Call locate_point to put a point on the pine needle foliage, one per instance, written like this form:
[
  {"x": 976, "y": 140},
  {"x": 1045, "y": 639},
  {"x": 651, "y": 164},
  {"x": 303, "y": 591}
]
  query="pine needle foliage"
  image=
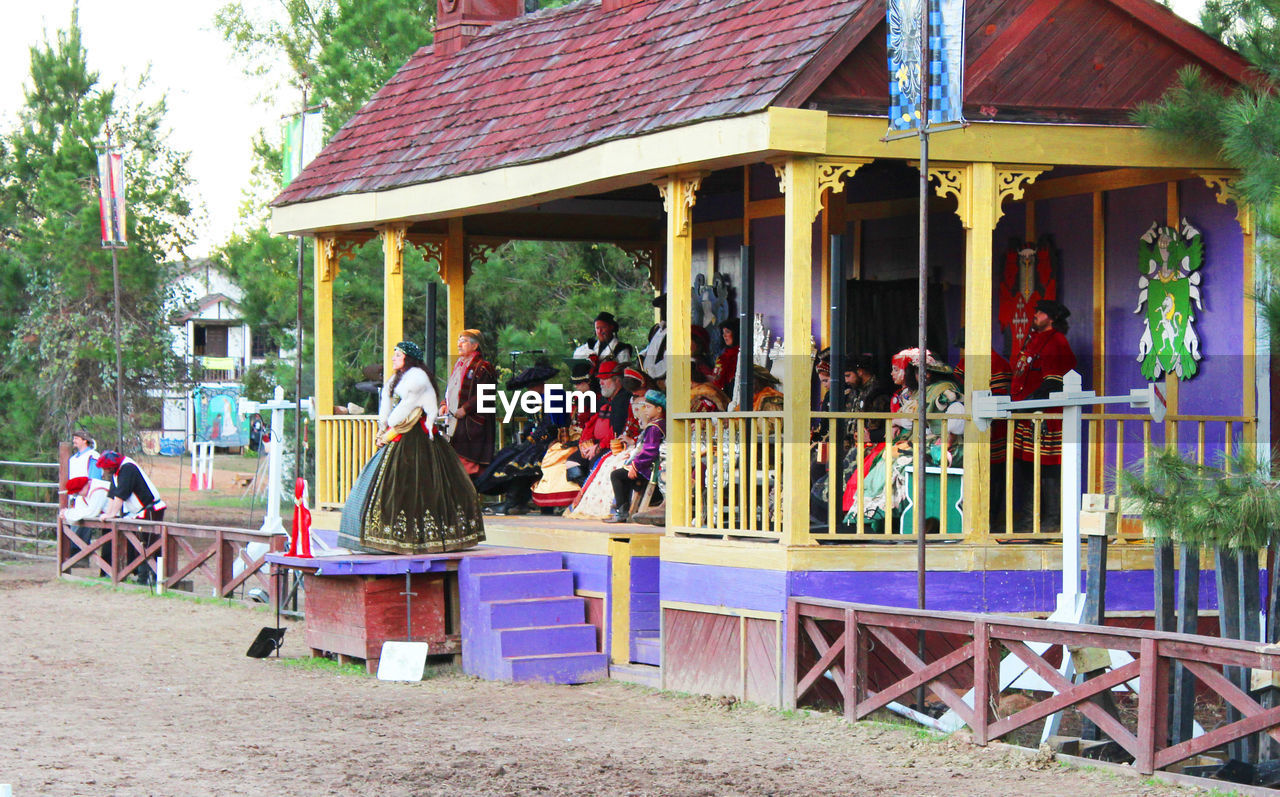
[{"x": 1231, "y": 505}]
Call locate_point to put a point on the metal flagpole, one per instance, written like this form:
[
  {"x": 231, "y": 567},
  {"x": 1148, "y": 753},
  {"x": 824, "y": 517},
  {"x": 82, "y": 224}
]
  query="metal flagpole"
[
  {"x": 919, "y": 437},
  {"x": 117, "y": 224},
  {"x": 297, "y": 370}
]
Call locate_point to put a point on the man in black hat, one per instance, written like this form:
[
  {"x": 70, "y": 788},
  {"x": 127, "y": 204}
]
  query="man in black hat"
[
  {"x": 653, "y": 360},
  {"x": 1045, "y": 358},
  {"x": 516, "y": 468},
  {"x": 606, "y": 344},
  {"x": 867, "y": 392}
]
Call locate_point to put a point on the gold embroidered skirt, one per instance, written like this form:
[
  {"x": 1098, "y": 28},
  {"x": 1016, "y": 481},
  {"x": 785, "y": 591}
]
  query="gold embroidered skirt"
[{"x": 421, "y": 500}]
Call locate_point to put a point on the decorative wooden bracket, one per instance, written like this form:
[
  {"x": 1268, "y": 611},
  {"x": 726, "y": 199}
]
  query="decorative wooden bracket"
[
  {"x": 334, "y": 250},
  {"x": 1012, "y": 181},
  {"x": 393, "y": 236},
  {"x": 680, "y": 207},
  {"x": 478, "y": 250},
  {"x": 829, "y": 175},
  {"x": 1226, "y": 190},
  {"x": 432, "y": 246},
  {"x": 953, "y": 179}
]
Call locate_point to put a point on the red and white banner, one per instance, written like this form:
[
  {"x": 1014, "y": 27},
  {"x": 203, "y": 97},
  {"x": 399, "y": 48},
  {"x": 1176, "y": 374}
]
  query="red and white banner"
[{"x": 111, "y": 199}]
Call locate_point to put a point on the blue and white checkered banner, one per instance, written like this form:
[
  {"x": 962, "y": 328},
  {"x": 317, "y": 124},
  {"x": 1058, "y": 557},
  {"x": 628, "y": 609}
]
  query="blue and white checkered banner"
[{"x": 946, "y": 62}]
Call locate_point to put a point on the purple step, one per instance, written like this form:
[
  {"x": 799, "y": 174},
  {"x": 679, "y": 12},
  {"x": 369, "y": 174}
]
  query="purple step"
[
  {"x": 536, "y": 611},
  {"x": 559, "y": 668},
  {"x": 646, "y": 650},
  {"x": 507, "y": 563},
  {"x": 546, "y": 640},
  {"x": 526, "y": 584}
]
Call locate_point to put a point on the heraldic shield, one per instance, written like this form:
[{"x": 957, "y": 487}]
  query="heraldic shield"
[{"x": 1168, "y": 297}]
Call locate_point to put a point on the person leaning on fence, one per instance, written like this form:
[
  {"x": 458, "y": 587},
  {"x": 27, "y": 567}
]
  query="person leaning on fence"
[
  {"x": 636, "y": 476},
  {"x": 131, "y": 494},
  {"x": 86, "y": 498}
]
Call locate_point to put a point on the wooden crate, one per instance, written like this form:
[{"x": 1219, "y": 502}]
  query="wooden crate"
[{"x": 351, "y": 616}]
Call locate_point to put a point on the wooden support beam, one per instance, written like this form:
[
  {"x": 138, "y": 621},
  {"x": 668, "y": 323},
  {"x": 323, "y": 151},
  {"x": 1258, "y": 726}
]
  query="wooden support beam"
[
  {"x": 800, "y": 190},
  {"x": 454, "y": 271},
  {"x": 393, "y": 240},
  {"x": 326, "y": 269},
  {"x": 978, "y": 303},
  {"x": 1098, "y": 453},
  {"x": 1107, "y": 180},
  {"x": 679, "y": 193}
]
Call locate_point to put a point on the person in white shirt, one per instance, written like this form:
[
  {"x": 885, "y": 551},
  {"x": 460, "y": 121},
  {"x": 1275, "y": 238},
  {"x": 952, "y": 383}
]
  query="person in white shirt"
[
  {"x": 86, "y": 499},
  {"x": 84, "y": 460}
]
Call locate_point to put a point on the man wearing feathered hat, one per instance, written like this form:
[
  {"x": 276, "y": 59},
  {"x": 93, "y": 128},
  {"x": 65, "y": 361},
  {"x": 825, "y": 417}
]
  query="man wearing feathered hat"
[{"x": 1044, "y": 359}]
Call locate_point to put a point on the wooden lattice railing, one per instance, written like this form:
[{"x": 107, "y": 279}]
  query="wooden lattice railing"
[
  {"x": 219, "y": 555},
  {"x": 864, "y": 657}
]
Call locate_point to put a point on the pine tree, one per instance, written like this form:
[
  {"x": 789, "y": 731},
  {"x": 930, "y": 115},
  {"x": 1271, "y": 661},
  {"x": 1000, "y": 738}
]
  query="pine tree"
[{"x": 57, "y": 364}]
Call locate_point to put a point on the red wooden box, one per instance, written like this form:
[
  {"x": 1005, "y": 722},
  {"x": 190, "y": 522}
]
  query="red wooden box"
[{"x": 352, "y": 616}]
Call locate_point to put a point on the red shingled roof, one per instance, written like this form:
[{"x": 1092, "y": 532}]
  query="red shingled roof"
[{"x": 557, "y": 81}]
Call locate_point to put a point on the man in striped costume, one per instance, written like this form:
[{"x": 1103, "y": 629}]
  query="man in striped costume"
[{"x": 1045, "y": 358}]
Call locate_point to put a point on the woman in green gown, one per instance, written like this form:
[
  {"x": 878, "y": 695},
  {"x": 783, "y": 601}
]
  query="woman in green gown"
[{"x": 413, "y": 496}]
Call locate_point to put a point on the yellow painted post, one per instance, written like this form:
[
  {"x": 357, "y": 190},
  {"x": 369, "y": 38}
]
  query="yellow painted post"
[
  {"x": 392, "y": 291},
  {"x": 620, "y": 601},
  {"x": 454, "y": 272},
  {"x": 326, "y": 268},
  {"x": 800, "y": 190},
  {"x": 679, "y": 192},
  {"x": 978, "y": 300}
]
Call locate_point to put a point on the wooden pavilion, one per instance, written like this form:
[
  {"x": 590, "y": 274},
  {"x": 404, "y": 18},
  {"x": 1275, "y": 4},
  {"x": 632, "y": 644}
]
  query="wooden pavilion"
[{"x": 683, "y": 131}]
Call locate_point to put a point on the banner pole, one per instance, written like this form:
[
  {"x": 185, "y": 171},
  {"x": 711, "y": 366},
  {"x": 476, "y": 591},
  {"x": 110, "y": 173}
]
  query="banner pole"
[{"x": 920, "y": 436}]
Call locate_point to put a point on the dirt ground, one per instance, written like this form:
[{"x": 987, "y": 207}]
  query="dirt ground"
[{"x": 117, "y": 692}]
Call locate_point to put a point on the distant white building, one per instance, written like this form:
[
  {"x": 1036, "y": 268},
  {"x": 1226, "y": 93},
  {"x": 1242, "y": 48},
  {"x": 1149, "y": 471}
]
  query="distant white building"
[{"x": 219, "y": 348}]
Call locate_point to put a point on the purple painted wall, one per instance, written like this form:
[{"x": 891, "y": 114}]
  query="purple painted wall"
[{"x": 1002, "y": 591}]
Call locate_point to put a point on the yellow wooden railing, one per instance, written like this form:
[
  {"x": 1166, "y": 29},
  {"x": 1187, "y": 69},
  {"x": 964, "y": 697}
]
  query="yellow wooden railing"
[
  {"x": 734, "y": 462},
  {"x": 344, "y": 444},
  {"x": 859, "y": 527}
]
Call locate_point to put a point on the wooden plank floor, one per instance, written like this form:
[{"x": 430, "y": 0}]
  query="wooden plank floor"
[{"x": 538, "y": 521}]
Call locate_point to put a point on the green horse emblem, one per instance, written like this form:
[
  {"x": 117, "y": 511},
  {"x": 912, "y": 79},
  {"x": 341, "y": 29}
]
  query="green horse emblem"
[{"x": 1168, "y": 296}]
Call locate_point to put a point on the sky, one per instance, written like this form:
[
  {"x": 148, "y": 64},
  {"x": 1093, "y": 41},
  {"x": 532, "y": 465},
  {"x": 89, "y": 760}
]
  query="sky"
[{"x": 214, "y": 109}]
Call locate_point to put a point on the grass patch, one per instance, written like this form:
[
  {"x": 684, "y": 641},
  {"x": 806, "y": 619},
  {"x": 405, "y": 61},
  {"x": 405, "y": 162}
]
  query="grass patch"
[
  {"x": 99, "y": 582},
  {"x": 321, "y": 664}
]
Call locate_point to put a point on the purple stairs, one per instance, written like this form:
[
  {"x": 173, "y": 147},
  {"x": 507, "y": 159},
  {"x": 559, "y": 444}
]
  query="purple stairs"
[{"x": 522, "y": 622}]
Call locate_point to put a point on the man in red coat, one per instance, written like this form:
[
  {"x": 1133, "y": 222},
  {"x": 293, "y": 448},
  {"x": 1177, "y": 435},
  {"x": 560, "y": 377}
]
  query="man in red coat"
[{"x": 1045, "y": 358}]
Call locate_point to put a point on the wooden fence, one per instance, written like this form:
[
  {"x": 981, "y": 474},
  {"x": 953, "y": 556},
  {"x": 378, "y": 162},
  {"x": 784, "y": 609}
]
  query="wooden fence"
[
  {"x": 219, "y": 556},
  {"x": 864, "y": 657}
]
